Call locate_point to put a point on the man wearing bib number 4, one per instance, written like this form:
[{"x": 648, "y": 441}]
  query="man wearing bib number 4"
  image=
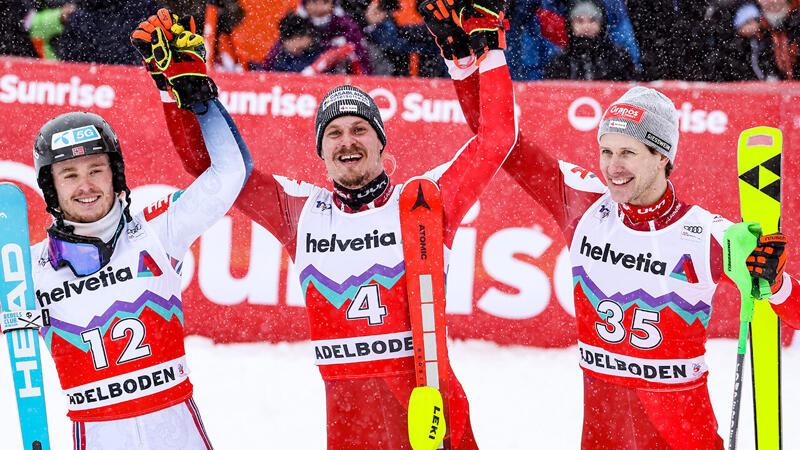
[
  {"x": 345, "y": 241},
  {"x": 645, "y": 266},
  {"x": 112, "y": 280}
]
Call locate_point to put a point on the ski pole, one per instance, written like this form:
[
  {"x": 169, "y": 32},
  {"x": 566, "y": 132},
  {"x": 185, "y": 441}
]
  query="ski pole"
[{"x": 738, "y": 242}]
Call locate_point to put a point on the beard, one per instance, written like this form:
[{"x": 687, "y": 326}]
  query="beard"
[
  {"x": 351, "y": 179},
  {"x": 354, "y": 181}
]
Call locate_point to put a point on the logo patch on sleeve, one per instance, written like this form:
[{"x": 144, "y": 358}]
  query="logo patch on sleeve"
[
  {"x": 580, "y": 179},
  {"x": 157, "y": 208}
]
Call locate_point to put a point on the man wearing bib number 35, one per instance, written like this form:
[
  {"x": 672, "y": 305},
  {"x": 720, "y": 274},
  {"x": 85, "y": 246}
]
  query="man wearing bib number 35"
[{"x": 645, "y": 266}]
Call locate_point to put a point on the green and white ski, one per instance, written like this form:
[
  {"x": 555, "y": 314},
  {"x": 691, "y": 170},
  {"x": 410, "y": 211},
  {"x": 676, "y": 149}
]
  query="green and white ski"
[{"x": 759, "y": 168}]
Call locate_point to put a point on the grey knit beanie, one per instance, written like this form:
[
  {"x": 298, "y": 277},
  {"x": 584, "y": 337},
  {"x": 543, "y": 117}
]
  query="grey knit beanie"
[
  {"x": 347, "y": 100},
  {"x": 589, "y": 9},
  {"x": 645, "y": 115}
]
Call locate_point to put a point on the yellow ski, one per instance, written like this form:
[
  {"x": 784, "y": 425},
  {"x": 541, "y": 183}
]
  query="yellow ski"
[{"x": 759, "y": 166}]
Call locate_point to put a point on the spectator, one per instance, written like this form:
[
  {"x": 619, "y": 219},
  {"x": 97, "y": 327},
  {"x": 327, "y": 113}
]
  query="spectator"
[
  {"x": 14, "y": 38},
  {"x": 391, "y": 45},
  {"x": 300, "y": 50},
  {"x": 334, "y": 28},
  {"x": 528, "y": 48},
  {"x": 590, "y": 55},
  {"x": 672, "y": 36},
  {"x": 98, "y": 29},
  {"x": 299, "y": 47},
  {"x": 357, "y": 10},
  {"x": 781, "y": 20},
  {"x": 620, "y": 30},
  {"x": 748, "y": 54},
  {"x": 47, "y": 23}
]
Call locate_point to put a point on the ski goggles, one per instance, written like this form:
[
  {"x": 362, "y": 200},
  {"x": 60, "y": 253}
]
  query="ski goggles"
[{"x": 82, "y": 254}]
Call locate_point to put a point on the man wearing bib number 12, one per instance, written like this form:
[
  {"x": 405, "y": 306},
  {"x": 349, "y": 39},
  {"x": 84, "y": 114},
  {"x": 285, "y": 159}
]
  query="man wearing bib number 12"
[{"x": 112, "y": 280}]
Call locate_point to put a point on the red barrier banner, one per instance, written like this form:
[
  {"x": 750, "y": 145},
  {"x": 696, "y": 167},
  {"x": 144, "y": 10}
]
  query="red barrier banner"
[{"x": 510, "y": 278}]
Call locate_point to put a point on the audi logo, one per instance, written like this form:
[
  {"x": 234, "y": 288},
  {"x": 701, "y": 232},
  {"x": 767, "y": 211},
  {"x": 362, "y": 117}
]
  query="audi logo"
[{"x": 697, "y": 229}]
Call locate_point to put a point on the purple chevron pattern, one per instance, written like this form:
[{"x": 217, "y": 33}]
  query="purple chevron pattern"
[
  {"x": 352, "y": 281},
  {"x": 116, "y": 308},
  {"x": 642, "y": 295}
]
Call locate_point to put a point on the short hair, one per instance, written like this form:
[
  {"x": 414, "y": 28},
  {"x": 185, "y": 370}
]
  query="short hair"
[
  {"x": 293, "y": 25},
  {"x": 668, "y": 169}
]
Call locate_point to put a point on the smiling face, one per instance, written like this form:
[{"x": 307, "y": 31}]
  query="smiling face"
[
  {"x": 634, "y": 174},
  {"x": 84, "y": 186},
  {"x": 351, "y": 151}
]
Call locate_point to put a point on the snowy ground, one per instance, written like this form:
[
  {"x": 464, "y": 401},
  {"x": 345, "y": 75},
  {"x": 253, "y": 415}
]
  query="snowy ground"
[{"x": 262, "y": 396}]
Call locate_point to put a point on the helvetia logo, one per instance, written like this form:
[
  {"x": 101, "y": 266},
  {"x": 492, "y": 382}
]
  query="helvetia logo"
[
  {"x": 370, "y": 240},
  {"x": 641, "y": 262},
  {"x": 102, "y": 279}
]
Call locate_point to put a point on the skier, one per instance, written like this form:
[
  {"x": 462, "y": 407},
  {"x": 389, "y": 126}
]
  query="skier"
[
  {"x": 645, "y": 268},
  {"x": 345, "y": 242},
  {"x": 112, "y": 279}
]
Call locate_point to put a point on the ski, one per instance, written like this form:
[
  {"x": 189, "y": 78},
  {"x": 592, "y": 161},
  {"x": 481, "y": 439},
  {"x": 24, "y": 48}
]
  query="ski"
[
  {"x": 759, "y": 168},
  {"x": 422, "y": 230},
  {"x": 20, "y": 317}
]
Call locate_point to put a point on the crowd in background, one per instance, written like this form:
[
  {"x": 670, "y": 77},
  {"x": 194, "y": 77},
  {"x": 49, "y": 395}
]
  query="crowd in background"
[{"x": 699, "y": 40}]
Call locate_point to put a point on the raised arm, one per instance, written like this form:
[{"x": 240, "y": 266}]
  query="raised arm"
[
  {"x": 565, "y": 190},
  {"x": 263, "y": 198},
  {"x": 175, "y": 56},
  {"x": 466, "y": 176},
  {"x": 472, "y": 38},
  {"x": 183, "y": 216}
]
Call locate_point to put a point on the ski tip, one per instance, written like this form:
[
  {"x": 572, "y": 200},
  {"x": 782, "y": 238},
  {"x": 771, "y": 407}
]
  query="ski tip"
[
  {"x": 762, "y": 136},
  {"x": 7, "y": 185}
]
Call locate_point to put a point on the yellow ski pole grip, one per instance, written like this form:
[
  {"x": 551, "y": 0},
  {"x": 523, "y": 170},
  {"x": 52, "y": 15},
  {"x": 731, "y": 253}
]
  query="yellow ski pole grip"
[{"x": 426, "y": 424}]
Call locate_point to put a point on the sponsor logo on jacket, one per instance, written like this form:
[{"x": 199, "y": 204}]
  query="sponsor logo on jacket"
[
  {"x": 102, "y": 279},
  {"x": 641, "y": 262},
  {"x": 693, "y": 233},
  {"x": 334, "y": 243}
]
